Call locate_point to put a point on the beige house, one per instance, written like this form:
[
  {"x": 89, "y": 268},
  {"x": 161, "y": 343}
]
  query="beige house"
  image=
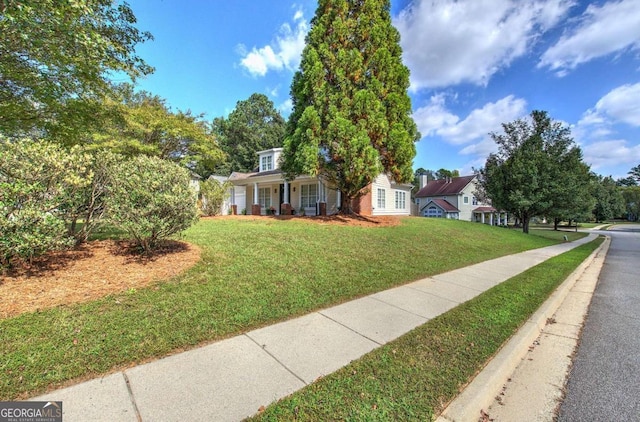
[
  {"x": 455, "y": 198},
  {"x": 266, "y": 191}
]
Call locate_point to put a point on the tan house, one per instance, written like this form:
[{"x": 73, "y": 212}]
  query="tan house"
[
  {"x": 455, "y": 198},
  {"x": 266, "y": 191}
]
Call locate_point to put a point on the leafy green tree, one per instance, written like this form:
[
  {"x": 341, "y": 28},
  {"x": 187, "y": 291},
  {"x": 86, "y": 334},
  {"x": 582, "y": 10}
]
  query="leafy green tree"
[
  {"x": 609, "y": 200},
  {"x": 573, "y": 199},
  {"x": 536, "y": 162},
  {"x": 626, "y": 181},
  {"x": 254, "y": 125},
  {"x": 150, "y": 199},
  {"x": 55, "y": 55},
  {"x": 444, "y": 173},
  {"x": 351, "y": 117},
  {"x": 212, "y": 196},
  {"x": 143, "y": 124},
  {"x": 36, "y": 178},
  {"x": 631, "y": 195},
  {"x": 635, "y": 173}
]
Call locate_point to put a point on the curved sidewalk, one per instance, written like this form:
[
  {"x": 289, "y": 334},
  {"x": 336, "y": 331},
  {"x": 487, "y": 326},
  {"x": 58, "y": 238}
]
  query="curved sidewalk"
[{"x": 231, "y": 379}]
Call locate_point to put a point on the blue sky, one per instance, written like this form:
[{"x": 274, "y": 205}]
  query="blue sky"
[{"x": 474, "y": 65}]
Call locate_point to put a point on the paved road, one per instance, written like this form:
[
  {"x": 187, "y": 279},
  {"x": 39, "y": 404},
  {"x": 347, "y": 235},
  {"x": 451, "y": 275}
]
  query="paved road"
[{"x": 604, "y": 384}]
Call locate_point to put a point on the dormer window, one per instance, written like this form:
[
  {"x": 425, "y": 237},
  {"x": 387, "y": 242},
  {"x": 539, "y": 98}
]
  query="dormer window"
[{"x": 266, "y": 163}]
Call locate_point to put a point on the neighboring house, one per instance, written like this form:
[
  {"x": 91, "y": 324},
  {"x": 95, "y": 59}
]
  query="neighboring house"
[
  {"x": 265, "y": 191},
  {"x": 455, "y": 198}
]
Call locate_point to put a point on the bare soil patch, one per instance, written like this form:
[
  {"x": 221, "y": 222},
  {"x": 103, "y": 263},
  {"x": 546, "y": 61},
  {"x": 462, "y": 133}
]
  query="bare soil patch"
[{"x": 95, "y": 270}]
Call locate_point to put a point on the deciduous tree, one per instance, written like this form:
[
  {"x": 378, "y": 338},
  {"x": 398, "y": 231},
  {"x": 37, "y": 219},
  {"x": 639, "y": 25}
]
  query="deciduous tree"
[
  {"x": 54, "y": 55},
  {"x": 609, "y": 200},
  {"x": 351, "y": 117},
  {"x": 140, "y": 123},
  {"x": 254, "y": 125},
  {"x": 538, "y": 170}
]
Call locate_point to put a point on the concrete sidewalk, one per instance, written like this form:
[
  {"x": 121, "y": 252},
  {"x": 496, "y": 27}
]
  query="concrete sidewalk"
[{"x": 231, "y": 379}]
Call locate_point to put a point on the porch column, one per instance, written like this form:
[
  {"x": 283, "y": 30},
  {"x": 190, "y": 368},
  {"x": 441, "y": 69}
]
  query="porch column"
[
  {"x": 285, "y": 207},
  {"x": 491, "y": 219},
  {"x": 255, "y": 207},
  {"x": 232, "y": 204},
  {"x": 482, "y": 217},
  {"x": 322, "y": 204},
  {"x": 286, "y": 192}
]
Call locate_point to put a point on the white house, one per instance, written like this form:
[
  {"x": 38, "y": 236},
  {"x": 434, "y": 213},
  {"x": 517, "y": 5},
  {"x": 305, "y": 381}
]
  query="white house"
[
  {"x": 266, "y": 191},
  {"x": 455, "y": 198}
]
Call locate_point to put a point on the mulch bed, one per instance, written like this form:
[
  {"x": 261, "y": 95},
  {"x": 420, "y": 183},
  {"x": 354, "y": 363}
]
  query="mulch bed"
[{"x": 95, "y": 270}]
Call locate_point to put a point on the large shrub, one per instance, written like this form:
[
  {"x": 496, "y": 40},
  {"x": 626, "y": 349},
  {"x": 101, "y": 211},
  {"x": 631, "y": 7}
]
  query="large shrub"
[
  {"x": 150, "y": 199},
  {"x": 36, "y": 177},
  {"x": 87, "y": 205},
  {"x": 212, "y": 196}
]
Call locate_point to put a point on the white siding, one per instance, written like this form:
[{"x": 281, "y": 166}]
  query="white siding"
[
  {"x": 383, "y": 182},
  {"x": 240, "y": 198}
]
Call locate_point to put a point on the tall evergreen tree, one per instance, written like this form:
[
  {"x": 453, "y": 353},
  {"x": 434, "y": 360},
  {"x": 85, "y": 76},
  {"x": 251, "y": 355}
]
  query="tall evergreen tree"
[{"x": 351, "y": 117}]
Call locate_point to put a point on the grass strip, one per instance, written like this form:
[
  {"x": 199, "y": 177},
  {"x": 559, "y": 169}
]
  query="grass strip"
[
  {"x": 415, "y": 376},
  {"x": 253, "y": 272}
]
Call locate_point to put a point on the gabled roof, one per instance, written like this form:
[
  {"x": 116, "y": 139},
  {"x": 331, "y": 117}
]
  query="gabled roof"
[
  {"x": 443, "y": 204},
  {"x": 443, "y": 187},
  {"x": 485, "y": 209}
]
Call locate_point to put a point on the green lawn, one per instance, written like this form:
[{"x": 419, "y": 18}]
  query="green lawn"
[
  {"x": 252, "y": 273},
  {"x": 415, "y": 376}
]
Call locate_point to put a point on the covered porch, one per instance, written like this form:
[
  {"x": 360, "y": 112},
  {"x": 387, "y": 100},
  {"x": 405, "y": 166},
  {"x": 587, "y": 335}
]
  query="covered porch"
[
  {"x": 490, "y": 216},
  {"x": 271, "y": 194}
]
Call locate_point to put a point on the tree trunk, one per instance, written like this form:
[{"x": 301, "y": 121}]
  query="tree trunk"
[
  {"x": 556, "y": 221},
  {"x": 346, "y": 204},
  {"x": 525, "y": 223}
]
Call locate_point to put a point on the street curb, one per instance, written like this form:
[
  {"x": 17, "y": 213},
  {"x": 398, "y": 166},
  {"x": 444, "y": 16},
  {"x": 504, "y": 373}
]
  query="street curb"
[{"x": 481, "y": 392}]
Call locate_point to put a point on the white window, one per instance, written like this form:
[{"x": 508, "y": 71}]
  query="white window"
[
  {"x": 381, "y": 199},
  {"x": 264, "y": 197},
  {"x": 266, "y": 163},
  {"x": 466, "y": 199},
  {"x": 400, "y": 200},
  {"x": 474, "y": 201},
  {"x": 308, "y": 195}
]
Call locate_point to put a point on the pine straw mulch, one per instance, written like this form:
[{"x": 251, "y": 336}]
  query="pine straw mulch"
[
  {"x": 95, "y": 270},
  {"x": 100, "y": 268}
]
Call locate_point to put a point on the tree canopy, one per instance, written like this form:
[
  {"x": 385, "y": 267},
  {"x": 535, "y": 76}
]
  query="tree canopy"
[
  {"x": 537, "y": 171},
  {"x": 55, "y": 55},
  {"x": 351, "y": 117},
  {"x": 140, "y": 123},
  {"x": 609, "y": 200},
  {"x": 254, "y": 125},
  {"x": 634, "y": 173}
]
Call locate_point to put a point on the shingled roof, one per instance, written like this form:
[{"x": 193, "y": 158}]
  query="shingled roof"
[
  {"x": 445, "y": 205},
  {"x": 444, "y": 187}
]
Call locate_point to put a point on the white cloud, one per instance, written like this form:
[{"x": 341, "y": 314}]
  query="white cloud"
[
  {"x": 283, "y": 53},
  {"x": 611, "y": 153},
  {"x": 434, "y": 116},
  {"x": 435, "y": 120},
  {"x": 448, "y": 42},
  {"x": 286, "y": 107},
  {"x": 621, "y": 104},
  {"x": 602, "y": 30}
]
